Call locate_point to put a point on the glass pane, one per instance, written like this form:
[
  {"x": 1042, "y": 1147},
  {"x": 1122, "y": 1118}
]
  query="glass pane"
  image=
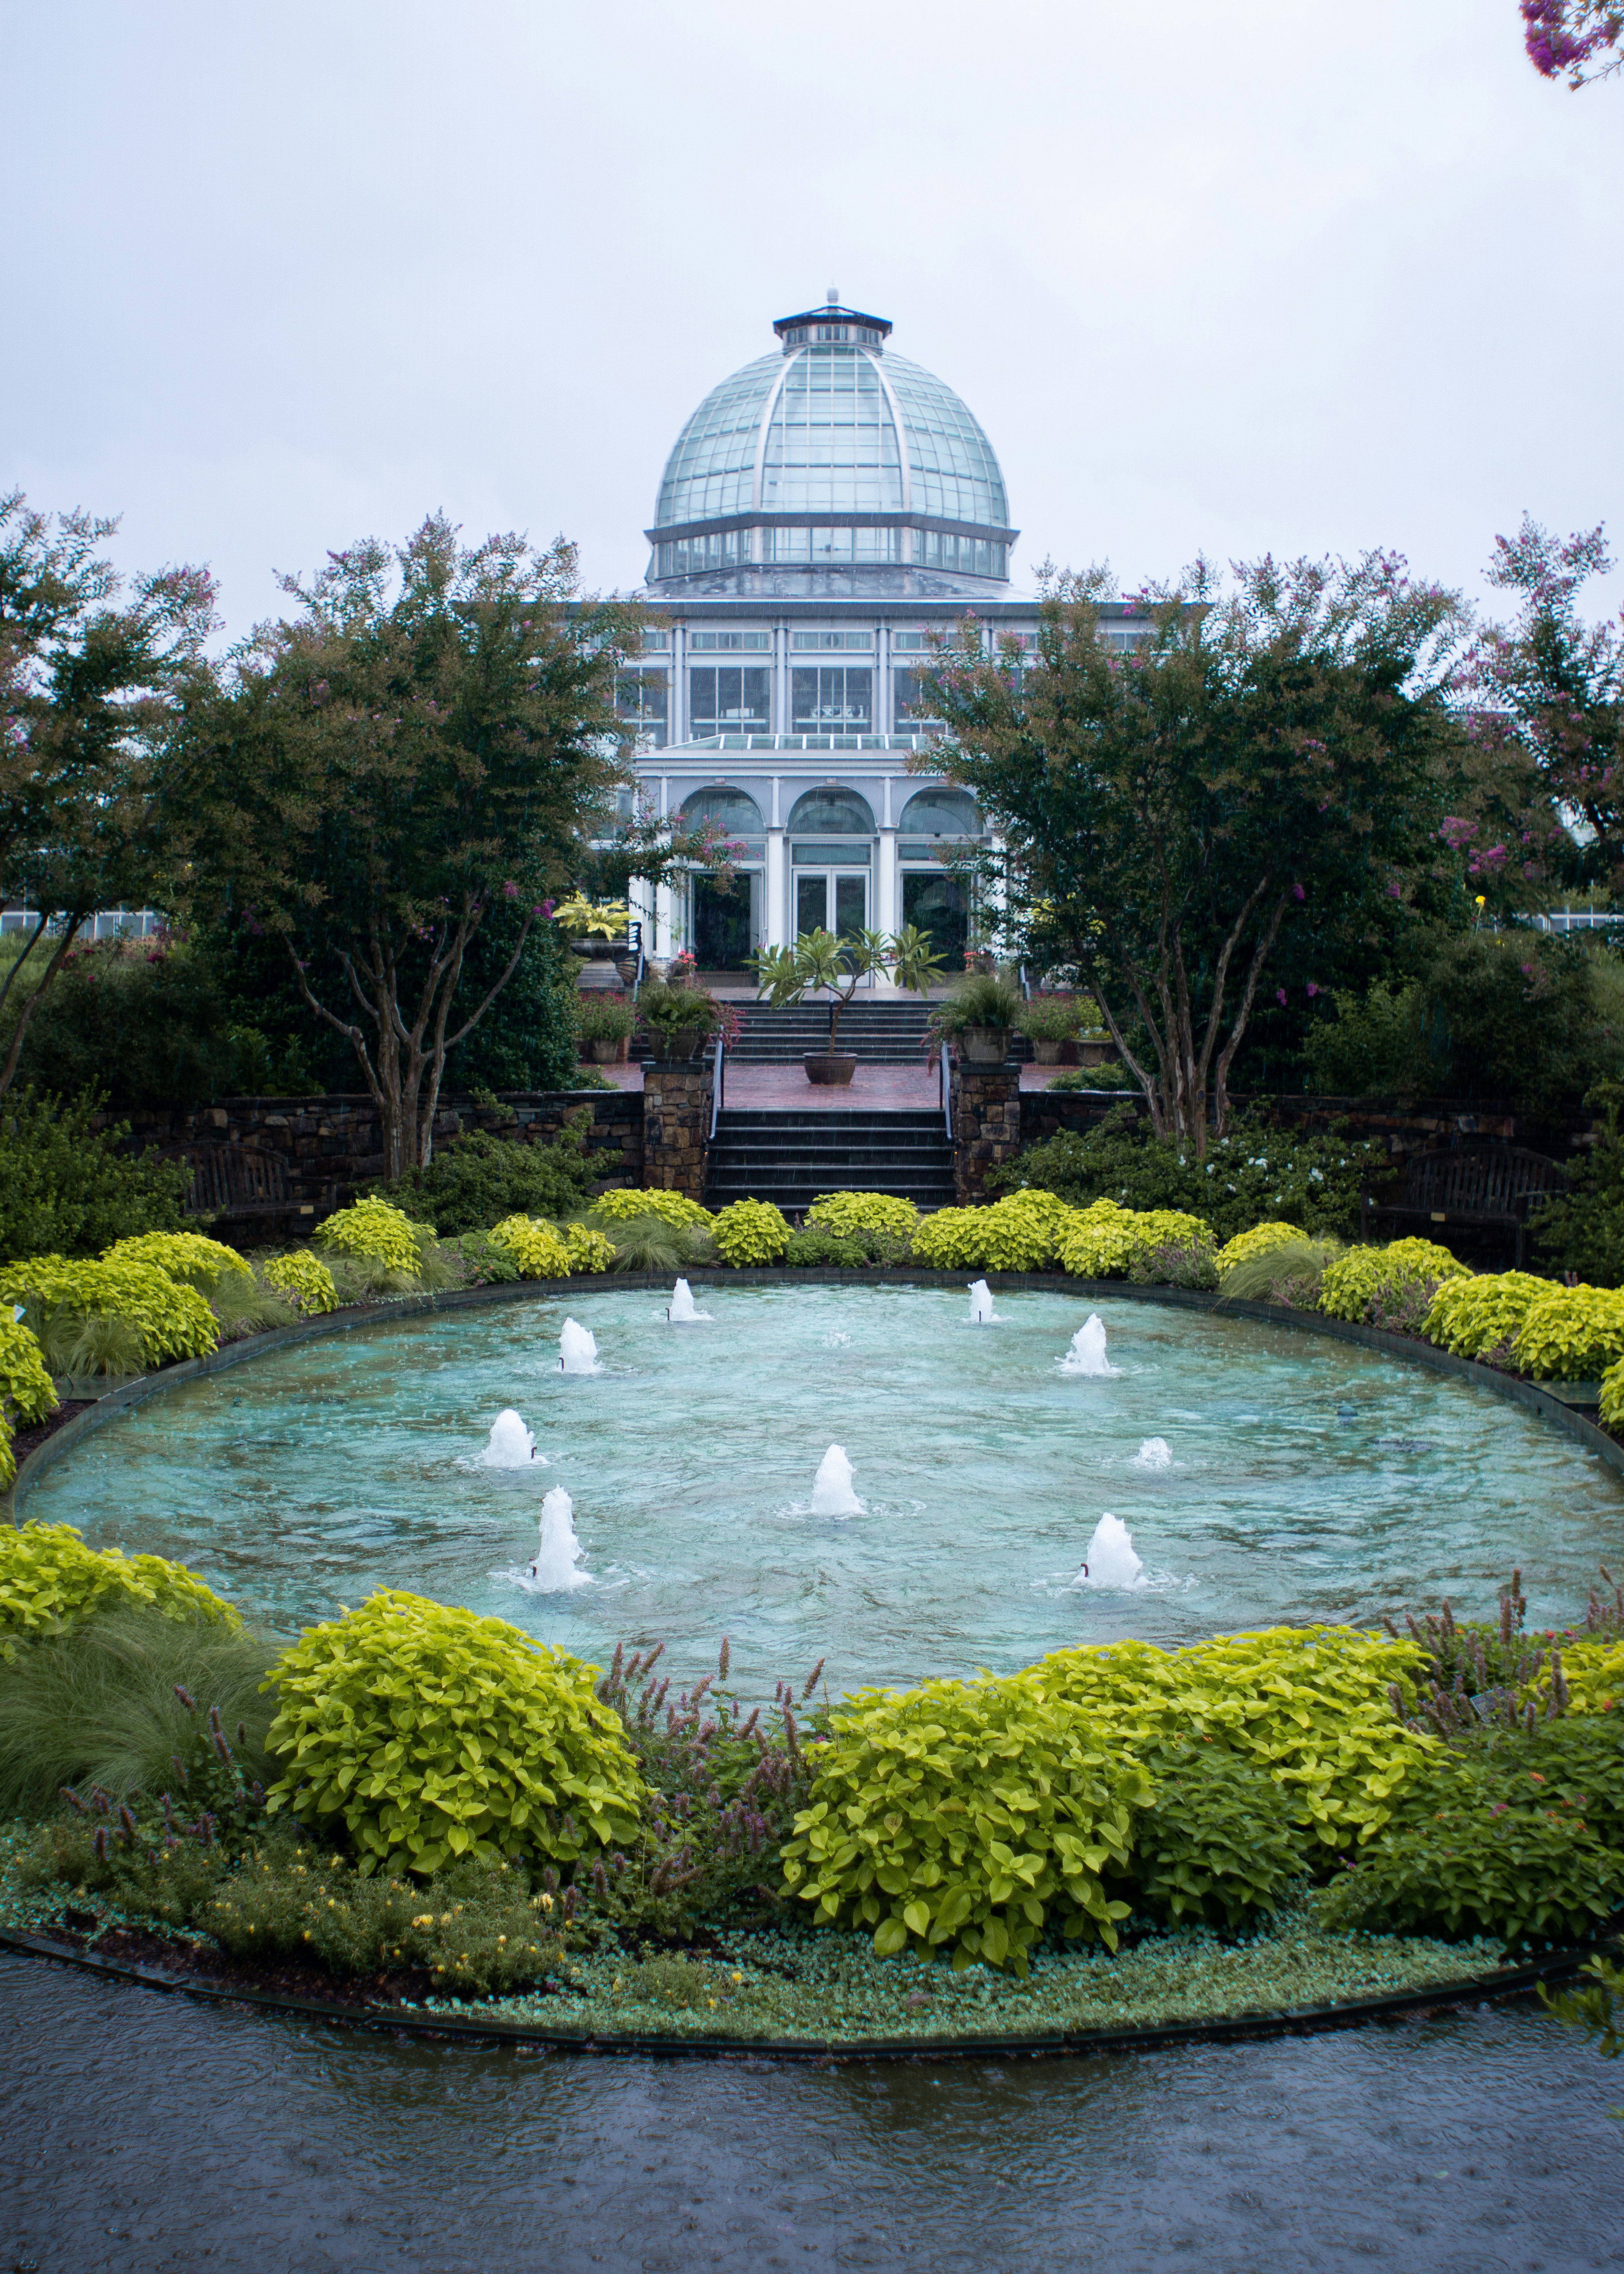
[
  {"x": 811, "y": 903},
  {"x": 803, "y": 697},
  {"x": 851, "y": 905},
  {"x": 858, "y": 705},
  {"x": 724, "y": 924},
  {"x": 940, "y": 906}
]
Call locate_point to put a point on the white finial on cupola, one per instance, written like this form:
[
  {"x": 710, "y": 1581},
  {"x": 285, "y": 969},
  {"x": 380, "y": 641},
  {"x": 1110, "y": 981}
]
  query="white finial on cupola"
[{"x": 834, "y": 296}]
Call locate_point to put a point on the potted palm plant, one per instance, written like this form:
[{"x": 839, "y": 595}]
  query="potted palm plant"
[
  {"x": 678, "y": 1019},
  {"x": 979, "y": 1015},
  {"x": 819, "y": 960}
]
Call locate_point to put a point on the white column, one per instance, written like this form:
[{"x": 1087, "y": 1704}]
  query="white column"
[
  {"x": 885, "y": 897},
  {"x": 776, "y": 886}
]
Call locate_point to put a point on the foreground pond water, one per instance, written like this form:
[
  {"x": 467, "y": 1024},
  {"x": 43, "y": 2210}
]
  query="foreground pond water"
[
  {"x": 139, "y": 2132},
  {"x": 1306, "y": 1478}
]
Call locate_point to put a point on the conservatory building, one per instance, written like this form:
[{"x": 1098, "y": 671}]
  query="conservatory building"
[{"x": 824, "y": 514}]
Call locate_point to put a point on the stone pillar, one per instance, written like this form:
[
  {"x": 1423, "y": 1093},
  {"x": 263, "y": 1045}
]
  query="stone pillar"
[
  {"x": 676, "y": 1127},
  {"x": 986, "y": 1125}
]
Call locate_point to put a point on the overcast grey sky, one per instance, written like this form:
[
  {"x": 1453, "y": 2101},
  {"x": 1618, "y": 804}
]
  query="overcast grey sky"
[{"x": 1213, "y": 274}]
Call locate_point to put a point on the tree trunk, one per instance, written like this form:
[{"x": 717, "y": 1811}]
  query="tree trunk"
[{"x": 31, "y": 1003}]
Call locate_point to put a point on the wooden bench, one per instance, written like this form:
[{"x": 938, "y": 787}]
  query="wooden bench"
[
  {"x": 238, "y": 1181},
  {"x": 1468, "y": 1188}
]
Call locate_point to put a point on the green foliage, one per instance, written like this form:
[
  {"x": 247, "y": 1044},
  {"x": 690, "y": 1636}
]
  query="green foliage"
[
  {"x": 849, "y": 1212},
  {"x": 246, "y": 1304},
  {"x": 173, "y": 1321},
  {"x": 588, "y": 1251},
  {"x": 1022, "y": 1232},
  {"x": 604, "y": 1018},
  {"x": 1368, "y": 1045},
  {"x": 1593, "y": 2007},
  {"x": 1293, "y": 1274},
  {"x": 185, "y": 1255},
  {"x": 750, "y": 1233},
  {"x": 1254, "y": 1174},
  {"x": 1257, "y": 1241},
  {"x": 1582, "y": 1232},
  {"x": 1184, "y": 1260},
  {"x": 379, "y": 1232},
  {"x": 48, "y": 1579},
  {"x": 627, "y": 1200},
  {"x": 967, "y": 1816},
  {"x": 305, "y": 1280},
  {"x": 1311, "y": 1706},
  {"x": 654, "y": 1244},
  {"x": 1571, "y": 1334},
  {"x": 65, "y": 1187},
  {"x": 819, "y": 961},
  {"x": 475, "y": 1181},
  {"x": 430, "y": 1734},
  {"x": 538, "y": 1249},
  {"x": 27, "y": 1394},
  {"x": 102, "y": 1701},
  {"x": 528, "y": 1038},
  {"x": 1054, "y": 1018},
  {"x": 1104, "y": 1241},
  {"x": 1219, "y": 1842},
  {"x": 1391, "y": 1286},
  {"x": 980, "y": 999},
  {"x": 1471, "y": 1315},
  {"x": 83, "y": 1344},
  {"x": 819, "y": 1247}
]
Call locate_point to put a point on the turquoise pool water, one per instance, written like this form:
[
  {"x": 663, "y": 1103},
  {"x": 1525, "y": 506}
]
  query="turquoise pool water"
[{"x": 1308, "y": 1478}]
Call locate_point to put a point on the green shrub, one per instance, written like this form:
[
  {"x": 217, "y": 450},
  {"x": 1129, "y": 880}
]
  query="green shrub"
[
  {"x": 1104, "y": 1241},
  {"x": 966, "y": 1817},
  {"x": 1469, "y": 1316},
  {"x": 538, "y": 1249},
  {"x": 1054, "y": 1018},
  {"x": 1219, "y": 1843},
  {"x": 66, "y": 1188},
  {"x": 1292, "y": 1274},
  {"x": 246, "y": 1304},
  {"x": 103, "y": 1702},
  {"x": 588, "y": 1251},
  {"x": 476, "y": 1181},
  {"x": 654, "y": 1244},
  {"x": 819, "y": 1247},
  {"x": 1473, "y": 1869},
  {"x": 1391, "y": 1287},
  {"x": 603, "y": 1017},
  {"x": 625, "y": 1202},
  {"x": 1612, "y": 1395},
  {"x": 378, "y": 1233},
  {"x": 430, "y": 1734},
  {"x": 1112, "y": 1076},
  {"x": 172, "y": 1320},
  {"x": 750, "y": 1233},
  {"x": 1019, "y": 1234},
  {"x": 848, "y": 1212},
  {"x": 185, "y": 1255},
  {"x": 305, "y": 1280},
  {"x": 1582, "y": 1231},
  {"x": 1184, "y": 1262},
  {"x": 952, "y": 1239},
  {"x": 48, "y": 1579},
  {"x": 1571, "y": 1334},
  {"x": 27, "y": 1392},
  {"x": 1260, "y": 1241},
  {"x": 1253, "y": 1174}
]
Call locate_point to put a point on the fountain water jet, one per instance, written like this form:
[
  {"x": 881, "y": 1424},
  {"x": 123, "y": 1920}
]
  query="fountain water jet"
[
  {"x": 680, "y": 1311},
  {"x": 553, "y": 1572},
  {"x": 831, "y": 1487},
  {"x": 1154, "y": 1453},
  {"x": 980, "y": 1304},
  {"x": 1110, "y": 1561},
  {"x": 579, "y": 1346},
  {"x": 510, "y": 1445},
  {"x": 1086, "y": 1354}
]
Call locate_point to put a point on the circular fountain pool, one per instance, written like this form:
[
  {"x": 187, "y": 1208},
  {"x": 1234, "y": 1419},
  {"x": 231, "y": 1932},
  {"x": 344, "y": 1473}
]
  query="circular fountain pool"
[{"x": 1295, "y": 1477}]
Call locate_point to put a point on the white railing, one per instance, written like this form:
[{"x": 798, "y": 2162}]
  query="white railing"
[{"x": 108, "y": 924}]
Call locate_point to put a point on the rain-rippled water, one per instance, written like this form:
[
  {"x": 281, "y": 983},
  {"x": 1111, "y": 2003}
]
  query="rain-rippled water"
[{"x": 1293, "y": 1477}]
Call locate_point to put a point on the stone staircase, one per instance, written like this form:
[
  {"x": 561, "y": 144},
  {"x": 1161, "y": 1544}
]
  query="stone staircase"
[
  {"x": 890, "y": 1032},
  {"x": 791, "y": 1158}
]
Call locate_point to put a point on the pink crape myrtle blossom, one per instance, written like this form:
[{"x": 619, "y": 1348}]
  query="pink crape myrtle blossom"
[{"x": 1575, "y": 40}]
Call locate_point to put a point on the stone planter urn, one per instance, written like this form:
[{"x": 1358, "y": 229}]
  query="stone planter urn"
[
  {"x": 986, "y": 1046},
  {"x": 830, "y": 1069},
  {"x": 611, "y": 1050},
  {"x": 672, "y": 1045},
  {"x": 1046, "y": 1053}
]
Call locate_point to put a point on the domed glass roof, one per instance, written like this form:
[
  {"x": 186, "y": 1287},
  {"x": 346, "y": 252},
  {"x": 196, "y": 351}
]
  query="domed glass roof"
[{"x": 834, "y": 429}]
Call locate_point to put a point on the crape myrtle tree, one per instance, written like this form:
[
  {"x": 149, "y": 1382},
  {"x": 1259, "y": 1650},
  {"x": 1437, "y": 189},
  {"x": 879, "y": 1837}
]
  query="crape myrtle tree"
[
  {"x": 90, "y": 671},
  {"x": 432, "y": 738},
  {"x": 1575, "y": 40},
  {"x": 1279, "y": 749}
]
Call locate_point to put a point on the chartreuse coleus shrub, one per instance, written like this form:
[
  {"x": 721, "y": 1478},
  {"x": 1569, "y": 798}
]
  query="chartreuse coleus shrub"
[
  {"x": 625, "y": 1202},
  {"x": 173, "y": 1320},
  {"x": 379, "y": 1232},
  {"x": 48, "y": 1579},
  {"x": 1310, "y": 1707},
  {"x": 588, "y": 1251},
  {"x": 537, "y": 1246},
  {"x": 185, "y": 1255},
  {"x": 431, "y": 1734},
  {"x": 1019, "y": 1234},
  {"x": 966, "y": 1817},
  {"x": 1371, "y": 1284},
  {"x": 1260, "y": 1241},
  {"x": 1470, "y": 1315},
  {"x": 750, "y": 1231},
  {"x": 1612, "y": 1395},
  {"x": 1588, "y": 1673},
  {"x": 842, "y": 1213},
  {"x": 1103, "y": 1240},
  {"x": 1219, "y": 1843},
  {"x": 306, "y": 1279},
  {"x": 27, "y": 1392},
  {"x": 1571, "y": 1334}
]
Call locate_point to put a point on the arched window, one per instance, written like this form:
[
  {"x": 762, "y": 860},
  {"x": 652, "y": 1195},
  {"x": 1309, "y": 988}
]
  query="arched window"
[
  {"x": 941, "y": 813},
  {"x": 832, "y": 813},
  {"x": 733, "y": 811}
]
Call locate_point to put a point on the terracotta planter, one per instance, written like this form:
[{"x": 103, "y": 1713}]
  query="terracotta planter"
[
  {"x": 1045, "y": 1053},
  {"x": 672, "y": 1046},
  {"x": 608, "y": 1049},
  {"x": 986, "y": 1046},
  {"x": 830, "y": 1069}
]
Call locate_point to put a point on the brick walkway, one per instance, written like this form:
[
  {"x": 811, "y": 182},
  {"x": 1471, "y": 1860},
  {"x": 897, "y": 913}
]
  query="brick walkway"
[{"x": 873, "y": 1089}]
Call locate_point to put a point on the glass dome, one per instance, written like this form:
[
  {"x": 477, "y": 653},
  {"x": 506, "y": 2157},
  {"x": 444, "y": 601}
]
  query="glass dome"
[{"x": 833, "y": 453}]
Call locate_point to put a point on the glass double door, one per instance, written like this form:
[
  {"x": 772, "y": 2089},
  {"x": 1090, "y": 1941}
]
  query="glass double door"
[{"x": 831, "y": 900}]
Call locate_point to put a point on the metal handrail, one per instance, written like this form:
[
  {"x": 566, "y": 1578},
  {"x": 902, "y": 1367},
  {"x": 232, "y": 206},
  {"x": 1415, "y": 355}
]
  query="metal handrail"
[
  {"x": 719, "y": 1081},
  {"x": 944, "y": 1090}
]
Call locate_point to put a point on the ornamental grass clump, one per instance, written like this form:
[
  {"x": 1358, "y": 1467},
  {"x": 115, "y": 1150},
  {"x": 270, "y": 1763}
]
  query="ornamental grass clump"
[
  {"x": 305, "y": 1281},
  {"x": 428, "y": 1734},
  {"x": 750, "y": 1231},
  {"x": 539, "y": 1248},
  {"x": 966, "y": 1818},
  {"x": 172, "y": 1320},
  {"x": 1291, "y": 1273},
  {"x": 1389, "y": 1287},
  {"x": 1571, "y": 1334},
  {"x": 1258, "y": 1241},
  {"x": 48, "y": 1579},
  {"x": 377, "y": 1232},
  {"x": 1473, "y": 1315}
]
